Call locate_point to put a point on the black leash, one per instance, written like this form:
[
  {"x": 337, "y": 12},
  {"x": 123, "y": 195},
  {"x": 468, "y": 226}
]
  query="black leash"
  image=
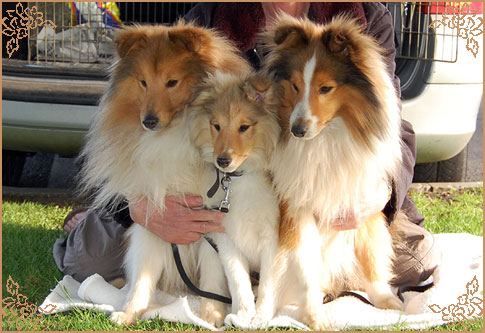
[
  {"x": 358, "y": 296},
  {"x": 224, "y": 207},
  {"x": 215, "y": 187},
  {"x": 419, "y": 289},
  {"x": 189, "y": 283},
  {"x": 329, "y": 297}
]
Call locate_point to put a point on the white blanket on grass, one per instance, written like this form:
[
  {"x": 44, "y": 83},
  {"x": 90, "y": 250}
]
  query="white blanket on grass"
[{"x": 462, "y": 261}]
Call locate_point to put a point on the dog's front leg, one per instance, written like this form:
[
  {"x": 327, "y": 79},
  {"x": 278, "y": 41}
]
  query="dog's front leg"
[
  {"x": 309, "y": 262},
  {"x": 143, "y": 269},
  {"x": 237, "y": 273},
  {"x": 265, "y": 304},
  {"x": 375, "y": 262},
  {"x": 212, "y": 279}
]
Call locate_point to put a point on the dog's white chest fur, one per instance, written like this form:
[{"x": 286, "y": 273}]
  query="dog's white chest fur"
[
  {"x": 248, "y": 244},
  {"x": 330, "y": 174},
  {"x": 252, "y": 215}
]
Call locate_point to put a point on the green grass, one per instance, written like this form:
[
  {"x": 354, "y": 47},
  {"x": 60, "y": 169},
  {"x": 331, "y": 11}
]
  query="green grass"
[
  {"x": 29, "y": 231},
  {"x": 455, "y": 211}
]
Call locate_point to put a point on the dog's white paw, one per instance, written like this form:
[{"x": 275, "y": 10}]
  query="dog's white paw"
[
  {"x": 123, "y": 318},
  {"x": 316, "y": 320},
  {"x": 388, "y": 301},
  {"x": 212, "y": 312},
  {"x": 241, "y": 319},
  {"x": 260, "y": 321},
  {"x": 264, "y": 313}
]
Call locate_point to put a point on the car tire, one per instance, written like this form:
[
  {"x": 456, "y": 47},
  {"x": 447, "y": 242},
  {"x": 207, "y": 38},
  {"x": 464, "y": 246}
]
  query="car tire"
[
  {"x": 12, "y": 166},
  {"x": 452, "y": 170}
]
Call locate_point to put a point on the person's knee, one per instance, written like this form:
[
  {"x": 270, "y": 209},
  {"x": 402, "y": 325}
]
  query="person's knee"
[
  {"x": 417, "y": 257},
  {"x": 94, "y": 246}
]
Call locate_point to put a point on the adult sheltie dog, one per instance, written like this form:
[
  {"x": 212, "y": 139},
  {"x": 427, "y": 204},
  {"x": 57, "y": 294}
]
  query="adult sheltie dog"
[
  {"x": 235, "y": 127},
  {"x": 138, "y": 146},
  {"x": 340, "y": 118}
]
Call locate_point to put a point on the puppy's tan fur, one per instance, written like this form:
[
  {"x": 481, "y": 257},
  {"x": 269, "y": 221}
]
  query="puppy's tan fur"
[{"x": 235, "y": 118}]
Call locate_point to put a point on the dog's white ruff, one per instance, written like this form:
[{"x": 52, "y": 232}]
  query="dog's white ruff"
[{"x": 462, "y": 260}]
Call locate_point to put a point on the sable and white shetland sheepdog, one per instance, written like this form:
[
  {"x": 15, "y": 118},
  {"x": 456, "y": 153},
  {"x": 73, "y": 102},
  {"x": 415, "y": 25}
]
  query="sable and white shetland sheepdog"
[
  {"x": 235, "y": 127},
  {"x": 138, "y": 146},
  {"x": 340, "y": 143}
]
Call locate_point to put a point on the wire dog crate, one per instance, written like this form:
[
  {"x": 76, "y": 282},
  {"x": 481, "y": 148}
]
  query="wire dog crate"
[
  {"x": 83, "y": 31},
  {"x": 429, "y": 30}
]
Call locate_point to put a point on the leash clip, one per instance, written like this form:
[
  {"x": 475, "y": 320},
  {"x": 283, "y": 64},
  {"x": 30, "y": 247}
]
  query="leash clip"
[{"x": 224, "y": 204}]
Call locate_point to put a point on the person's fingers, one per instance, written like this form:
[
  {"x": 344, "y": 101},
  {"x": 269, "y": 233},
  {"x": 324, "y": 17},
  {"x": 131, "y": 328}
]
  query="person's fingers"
[
  {"x": 207, "y": 215},
  {"x": 202, "y": 227},
  {"x": 194, "y": 201},
  {"x": 213, "y": 227},
  {"x": 182, "y": 242},
  {"x": 188, "y": 200},
  {"x": 173, "y": 235},
  {"x": 342, "y": 226},
  {"x": 193, "y": 236},
  {"x": 138, "y": 210},
  {"x": 187, "y": 238},
  {"x": 350, "y": 221}
]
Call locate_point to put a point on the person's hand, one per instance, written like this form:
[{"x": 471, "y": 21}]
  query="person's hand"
[
  {"x": 179, "y": 223},
  {"x": 367, "y": 208}
]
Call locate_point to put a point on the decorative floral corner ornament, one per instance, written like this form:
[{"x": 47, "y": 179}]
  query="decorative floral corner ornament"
[
  {"x": 20, "y": 311},
  {"x": 469, "y": 305},
  {"x": 18, "y": 22},
  {"x": 468, "y": 27}
]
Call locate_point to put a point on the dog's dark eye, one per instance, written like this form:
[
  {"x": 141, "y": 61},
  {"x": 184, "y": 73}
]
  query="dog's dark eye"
[
  {"x": 324, "y": 90},
  {"x": 295, "y": 87},
  {"x": 172, "y": 83},
  {"x": 143, "y": 83},
  {"x": 217, "y": 127},
  {"x": 243, "y": 128}
]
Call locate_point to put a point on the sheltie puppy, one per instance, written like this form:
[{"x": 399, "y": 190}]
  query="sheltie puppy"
[
  {"x": 138, "y": 146},
  {"x": 235, "y": 127},
  {"x": 340, "y": 143}
]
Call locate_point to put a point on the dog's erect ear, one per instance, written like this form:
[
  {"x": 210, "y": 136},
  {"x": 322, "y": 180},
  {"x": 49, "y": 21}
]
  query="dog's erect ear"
[
  {"x": 190, "y": 39},
  {"x": 256, "y": 88},
  {"x": 129, "y": 41},
  {"x": 290, "y": 36},
  {"x": 337, "y": 42}
]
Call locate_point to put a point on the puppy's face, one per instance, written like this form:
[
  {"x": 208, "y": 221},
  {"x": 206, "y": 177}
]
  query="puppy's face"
[
  {"x": 242, "y": 119},
  {"x": 233, "y": 134},
  {"x": 160, "y": 66}
]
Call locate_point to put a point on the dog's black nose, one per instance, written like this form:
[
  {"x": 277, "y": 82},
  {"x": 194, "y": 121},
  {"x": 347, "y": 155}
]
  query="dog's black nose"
[
  {"x": 150, "y": 121},
  {"x": 298, "y": 131},
  {"x": 223, "y": 162}
]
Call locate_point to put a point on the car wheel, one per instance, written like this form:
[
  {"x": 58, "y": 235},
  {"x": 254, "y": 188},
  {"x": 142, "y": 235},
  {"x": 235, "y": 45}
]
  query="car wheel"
[
  {"x": 452, "y": 170},
  {"x": 12, "y": 167}
]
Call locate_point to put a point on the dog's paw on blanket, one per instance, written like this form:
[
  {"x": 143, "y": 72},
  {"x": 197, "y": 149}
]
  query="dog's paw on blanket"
[
  {"x": 462, "y": 261},
  {"x": 242, "y": 320}
]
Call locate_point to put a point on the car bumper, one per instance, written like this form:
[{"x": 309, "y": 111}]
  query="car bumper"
[
  {"x": 444, "y": 119},
  {"x": 48, "y": 114},
  {"x": 46, "y": 127}
]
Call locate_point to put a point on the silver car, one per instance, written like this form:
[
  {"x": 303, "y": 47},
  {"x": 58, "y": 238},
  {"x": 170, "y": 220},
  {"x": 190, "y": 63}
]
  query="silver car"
[{"x": 52, "y": 83}]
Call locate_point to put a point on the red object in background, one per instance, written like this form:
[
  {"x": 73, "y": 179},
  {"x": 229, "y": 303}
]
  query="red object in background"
[{"x": 467, "y": 8}]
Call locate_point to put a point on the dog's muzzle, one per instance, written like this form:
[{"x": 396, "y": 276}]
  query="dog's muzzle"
[
  {"x": 150, "y": 122},
  {"x": 298, "y": 131}
]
